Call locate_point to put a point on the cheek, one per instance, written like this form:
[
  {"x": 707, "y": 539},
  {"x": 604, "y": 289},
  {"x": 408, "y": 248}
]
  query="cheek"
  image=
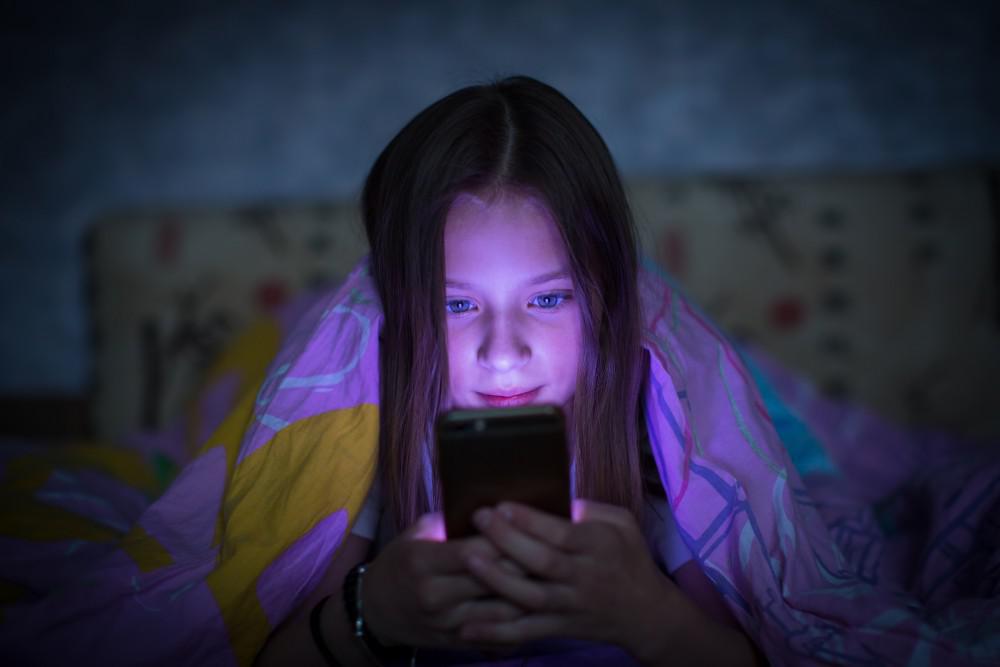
[
  {"x": 566, "y": 350},
  {"x": 575, "y": 356},
  {"x": 457, "y": 357}
]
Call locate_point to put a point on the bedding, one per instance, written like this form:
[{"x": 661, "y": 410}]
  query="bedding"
[{"x": 833, "y": 536}]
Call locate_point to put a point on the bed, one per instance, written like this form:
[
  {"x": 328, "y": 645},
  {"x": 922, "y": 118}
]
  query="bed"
[{"x": 861, "y": 299}]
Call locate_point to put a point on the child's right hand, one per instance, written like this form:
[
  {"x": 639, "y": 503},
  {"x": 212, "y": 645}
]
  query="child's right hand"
[{"x": 418, "y": 591}]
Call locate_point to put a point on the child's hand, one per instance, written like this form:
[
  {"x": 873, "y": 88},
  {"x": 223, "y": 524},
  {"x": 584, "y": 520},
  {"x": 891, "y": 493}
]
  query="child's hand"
[
  {"x": 418, "y": 591},
  {"x": 593, "y": 579}
]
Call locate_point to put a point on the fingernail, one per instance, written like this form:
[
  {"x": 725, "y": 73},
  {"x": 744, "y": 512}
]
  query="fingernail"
[
  {"x": 506, "y": 511},
  {"x": 482, "y": 518}
]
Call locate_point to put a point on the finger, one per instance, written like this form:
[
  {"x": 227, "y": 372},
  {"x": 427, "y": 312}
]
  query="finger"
[
  {"x": 510, "y": 567},
  {"x": 440, "y": 593},
  {"x": 439, "y": 558},
  {"x": 488, "y": 610},
  {"x": 592, "y": 510},
  {"x": 545, "y": 527},
  {"x": 528, "y": 551},
  {"x": 600, "y": 523},
  {"x": 527, "y": 593},
  {"x": 428, "y": 527},
  {"x": 517, "y": 631}
]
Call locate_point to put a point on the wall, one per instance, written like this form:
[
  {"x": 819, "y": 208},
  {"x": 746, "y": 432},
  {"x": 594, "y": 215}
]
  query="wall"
[{"x": 133, "y": 104}]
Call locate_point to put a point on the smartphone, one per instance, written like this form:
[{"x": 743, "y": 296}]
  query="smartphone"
[{"x": 491, "y": 455}]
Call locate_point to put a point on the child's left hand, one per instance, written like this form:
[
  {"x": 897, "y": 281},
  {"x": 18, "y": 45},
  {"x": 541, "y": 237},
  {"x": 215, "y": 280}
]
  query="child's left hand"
[{"x": 593, "y": 579}]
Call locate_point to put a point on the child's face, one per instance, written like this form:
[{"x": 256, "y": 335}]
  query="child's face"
[{"x": 512, "y": 314}]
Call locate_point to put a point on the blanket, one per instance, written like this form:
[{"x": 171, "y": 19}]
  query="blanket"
[{"x": 842, "y": 540}]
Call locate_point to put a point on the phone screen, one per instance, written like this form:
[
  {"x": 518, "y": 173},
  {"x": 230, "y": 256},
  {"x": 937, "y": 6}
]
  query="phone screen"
[{"x": 488, "y": 456}]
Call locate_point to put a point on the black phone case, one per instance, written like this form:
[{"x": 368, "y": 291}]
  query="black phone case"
[{"x": 488, "y": 456}]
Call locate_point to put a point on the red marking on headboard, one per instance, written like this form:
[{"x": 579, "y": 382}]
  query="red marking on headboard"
[
  {"x": 673, "y": 251},
  {"x": 271, "y": 293},
  {"x": 786, "y": 313},
  {"x": 168, "y": 241}
]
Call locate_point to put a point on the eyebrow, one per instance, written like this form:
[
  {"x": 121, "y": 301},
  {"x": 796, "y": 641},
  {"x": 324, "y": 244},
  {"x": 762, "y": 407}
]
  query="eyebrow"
[{"x": 537, "y": 280}]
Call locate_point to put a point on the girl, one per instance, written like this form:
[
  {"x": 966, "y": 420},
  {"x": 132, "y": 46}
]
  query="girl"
[
  {"x": 504, "y": 257},
  {"x": 504, "y": 272}
]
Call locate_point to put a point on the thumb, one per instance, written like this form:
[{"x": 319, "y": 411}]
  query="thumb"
[
  {"x": 429, "y": 527},
  {"x": 592, "y": 510}
]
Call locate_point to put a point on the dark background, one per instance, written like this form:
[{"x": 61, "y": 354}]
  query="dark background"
[{"x": 114, "y": 105}]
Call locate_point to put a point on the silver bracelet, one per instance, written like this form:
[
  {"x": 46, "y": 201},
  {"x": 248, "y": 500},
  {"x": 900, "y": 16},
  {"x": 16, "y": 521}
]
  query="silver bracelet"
[{"x": 353, "y": 585}]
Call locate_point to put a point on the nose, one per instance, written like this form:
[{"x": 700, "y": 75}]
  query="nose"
[{"x": 504, "y": 346}]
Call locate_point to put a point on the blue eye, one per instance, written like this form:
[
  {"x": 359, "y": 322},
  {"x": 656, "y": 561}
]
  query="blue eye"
[
  {"x": 549, "y": 301},
  {"x": 458, "y": 306}
]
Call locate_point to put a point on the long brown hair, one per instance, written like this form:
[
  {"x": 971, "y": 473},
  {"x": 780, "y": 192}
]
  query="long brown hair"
[{"x": 514, "y": 133}]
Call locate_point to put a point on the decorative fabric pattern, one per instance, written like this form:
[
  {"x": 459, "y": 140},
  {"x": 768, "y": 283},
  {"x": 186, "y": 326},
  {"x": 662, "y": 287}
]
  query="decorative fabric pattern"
[{"x": 247, "y": 528}]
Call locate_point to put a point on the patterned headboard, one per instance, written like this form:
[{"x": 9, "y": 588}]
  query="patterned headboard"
[{"x": 881, "y": 287}]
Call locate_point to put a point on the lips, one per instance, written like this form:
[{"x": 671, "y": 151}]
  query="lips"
[{"x": 510, "y": 400}]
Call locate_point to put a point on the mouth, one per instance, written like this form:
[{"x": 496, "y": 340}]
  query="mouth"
[{"x": 510, "y": 400}]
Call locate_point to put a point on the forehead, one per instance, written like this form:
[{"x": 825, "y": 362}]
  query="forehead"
[{"x": 510, "y": 231}]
